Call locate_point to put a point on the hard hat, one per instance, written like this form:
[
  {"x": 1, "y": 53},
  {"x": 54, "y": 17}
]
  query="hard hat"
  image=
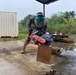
[
  {"x": 39, "y": 17},
  {"x": 39, "y": 14}
]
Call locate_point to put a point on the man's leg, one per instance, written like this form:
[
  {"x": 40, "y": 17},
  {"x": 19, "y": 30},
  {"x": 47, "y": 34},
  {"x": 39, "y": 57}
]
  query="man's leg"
[{"x": 25, "y": 44}]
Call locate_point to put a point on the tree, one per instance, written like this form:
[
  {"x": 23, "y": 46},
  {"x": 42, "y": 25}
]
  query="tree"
[
  {"x": 27, "y": 18},
  {"x": 22, "y": 24},
  {"x": 62, "y": 21},
  {"x": 72, "y": 14}
]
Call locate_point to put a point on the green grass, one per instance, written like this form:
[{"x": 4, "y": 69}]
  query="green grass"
[{"x": 22, "y": 35}]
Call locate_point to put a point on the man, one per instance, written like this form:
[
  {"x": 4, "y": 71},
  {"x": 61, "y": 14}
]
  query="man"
[{"x": 37, "y": 22}]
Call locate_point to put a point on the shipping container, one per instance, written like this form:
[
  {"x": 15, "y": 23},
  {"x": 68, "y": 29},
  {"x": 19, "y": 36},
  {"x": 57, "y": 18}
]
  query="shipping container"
[{"x": 8, "y": 24}]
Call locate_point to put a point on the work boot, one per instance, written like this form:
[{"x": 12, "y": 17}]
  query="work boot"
[
  {"x": 25, "y": 44},
  {"x": 23, "y": 52}
]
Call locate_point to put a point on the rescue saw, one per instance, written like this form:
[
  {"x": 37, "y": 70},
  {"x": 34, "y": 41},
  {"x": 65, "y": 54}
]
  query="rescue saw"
[
  {"x": 43, "y": 40},
  {"x": 41, "y": 37}
]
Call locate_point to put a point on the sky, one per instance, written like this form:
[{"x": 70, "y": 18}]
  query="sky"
[{"x": 26, "y": 7}]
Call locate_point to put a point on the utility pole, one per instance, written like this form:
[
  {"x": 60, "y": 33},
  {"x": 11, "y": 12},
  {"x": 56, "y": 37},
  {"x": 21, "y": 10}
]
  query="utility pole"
[
  {"x": 45, "y": 2},
  {"x": 44, "y": 9}
]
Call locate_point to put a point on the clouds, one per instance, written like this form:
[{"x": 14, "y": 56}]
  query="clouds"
[{"x": 25, "y": 7}]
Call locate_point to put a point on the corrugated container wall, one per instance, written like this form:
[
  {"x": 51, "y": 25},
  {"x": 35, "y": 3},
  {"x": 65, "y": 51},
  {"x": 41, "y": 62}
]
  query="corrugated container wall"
[{"x": 8, "y": 24}]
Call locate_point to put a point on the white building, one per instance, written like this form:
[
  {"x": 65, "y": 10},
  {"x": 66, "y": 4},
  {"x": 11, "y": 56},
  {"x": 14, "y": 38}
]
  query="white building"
[{"x": 8, "y": 24}]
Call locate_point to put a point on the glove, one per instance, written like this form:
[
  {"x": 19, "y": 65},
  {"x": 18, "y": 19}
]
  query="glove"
[{"x": 44, "y": 29}]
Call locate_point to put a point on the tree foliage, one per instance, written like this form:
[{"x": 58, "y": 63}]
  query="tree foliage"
[
  {"x": 61, "y": 22},
  {"x": 23, "y": 24}
]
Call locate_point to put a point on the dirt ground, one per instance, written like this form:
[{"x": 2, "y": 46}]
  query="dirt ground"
[
  {"x": 15, "y": 63},
  {"x": 12, "y": 62}
]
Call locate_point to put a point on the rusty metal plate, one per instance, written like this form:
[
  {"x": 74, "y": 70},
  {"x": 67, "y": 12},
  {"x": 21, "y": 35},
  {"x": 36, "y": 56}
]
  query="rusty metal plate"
[{"x": 44, "y": 54}]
